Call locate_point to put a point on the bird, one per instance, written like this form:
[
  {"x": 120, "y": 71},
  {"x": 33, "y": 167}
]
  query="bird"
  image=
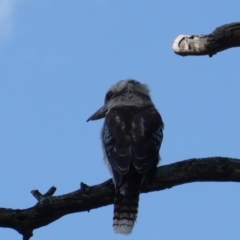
[{"x": 131, "y": 137}]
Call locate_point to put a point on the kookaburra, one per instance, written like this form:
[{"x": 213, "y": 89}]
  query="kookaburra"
[{"x": 131, "y": 137}]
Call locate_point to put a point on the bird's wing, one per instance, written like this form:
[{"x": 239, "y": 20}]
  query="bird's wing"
[
  {"x": 117, "y": 146},
  {"x": 147, "y": 135}
]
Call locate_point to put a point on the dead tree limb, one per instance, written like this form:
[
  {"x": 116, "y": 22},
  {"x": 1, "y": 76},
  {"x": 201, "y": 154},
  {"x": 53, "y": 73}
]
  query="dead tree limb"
[
  {"x": 222, "y": 38},
  {"x": 49, "y": 208}
]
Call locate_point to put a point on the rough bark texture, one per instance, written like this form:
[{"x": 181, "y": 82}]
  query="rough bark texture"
[
  {"x": 222, "y": 38},
  {"x": 50, "y": 208}
]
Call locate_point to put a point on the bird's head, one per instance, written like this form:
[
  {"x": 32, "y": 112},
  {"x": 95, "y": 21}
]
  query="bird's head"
[{"x": 124, "y": 93}]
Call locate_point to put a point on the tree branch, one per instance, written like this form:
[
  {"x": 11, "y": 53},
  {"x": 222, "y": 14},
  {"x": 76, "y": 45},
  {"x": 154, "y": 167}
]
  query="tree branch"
[
  {"x": 222, "y": 38},
  {"x": 49, "y": 208}
]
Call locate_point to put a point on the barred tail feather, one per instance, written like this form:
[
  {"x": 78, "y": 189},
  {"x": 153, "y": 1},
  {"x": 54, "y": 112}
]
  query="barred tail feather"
[{"x": 125, "y": 210}]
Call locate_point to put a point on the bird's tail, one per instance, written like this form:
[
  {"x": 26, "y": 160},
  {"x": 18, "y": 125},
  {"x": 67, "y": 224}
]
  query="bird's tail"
[{"x": 126, "y": 207}]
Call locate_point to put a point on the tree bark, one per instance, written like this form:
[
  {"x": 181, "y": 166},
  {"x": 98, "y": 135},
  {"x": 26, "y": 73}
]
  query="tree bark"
[
  {"x": 49, "y": 208},
  {"x": 222, "y": 38}
]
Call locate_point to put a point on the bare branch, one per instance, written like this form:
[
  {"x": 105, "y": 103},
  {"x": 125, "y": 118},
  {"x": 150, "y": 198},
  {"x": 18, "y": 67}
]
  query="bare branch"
[
  {"x": 222, "y": 38},
  {"x": 50, "y": 208},
  {"x": 40, "y": 196}
]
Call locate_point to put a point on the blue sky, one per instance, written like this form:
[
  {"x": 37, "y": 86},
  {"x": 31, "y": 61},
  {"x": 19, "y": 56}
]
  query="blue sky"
[{"x": 57, "y": 60}]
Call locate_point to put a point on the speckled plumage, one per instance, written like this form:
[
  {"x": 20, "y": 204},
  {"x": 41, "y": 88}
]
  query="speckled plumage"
[{"x": 131, "y": 137}]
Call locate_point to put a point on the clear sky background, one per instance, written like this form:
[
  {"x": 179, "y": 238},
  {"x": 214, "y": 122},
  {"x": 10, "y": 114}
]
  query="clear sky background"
[{"x": 57, "y": 60}]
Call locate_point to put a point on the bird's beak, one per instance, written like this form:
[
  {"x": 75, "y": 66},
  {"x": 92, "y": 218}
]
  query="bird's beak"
[{"x": 100, "y": 113}]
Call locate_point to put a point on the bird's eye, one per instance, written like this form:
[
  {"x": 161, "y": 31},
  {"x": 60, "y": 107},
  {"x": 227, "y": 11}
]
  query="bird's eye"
[{"x": 108, "y": 96}]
